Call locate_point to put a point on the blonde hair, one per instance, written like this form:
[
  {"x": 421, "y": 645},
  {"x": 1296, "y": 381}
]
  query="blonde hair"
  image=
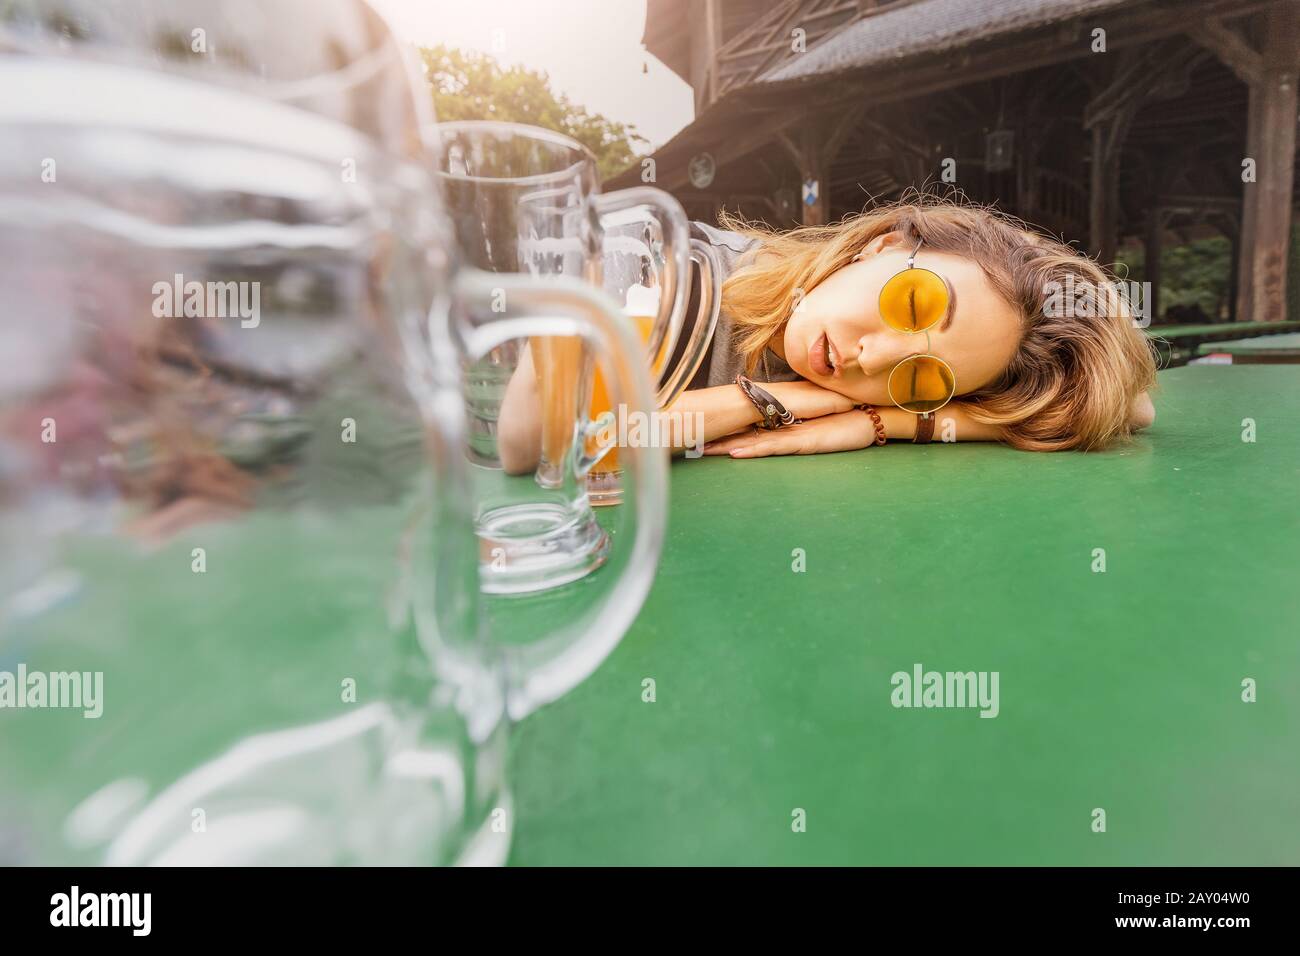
[{"x": 1076, "y": 372}]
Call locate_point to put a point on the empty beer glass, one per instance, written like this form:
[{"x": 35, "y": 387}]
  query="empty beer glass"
[{"x": 526, "y": 201}]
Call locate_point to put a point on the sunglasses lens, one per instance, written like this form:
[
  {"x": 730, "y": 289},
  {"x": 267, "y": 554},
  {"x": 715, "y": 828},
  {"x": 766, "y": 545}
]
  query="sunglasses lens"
[
  {"x": 921, "y": 384},
  {"x": 914, "y": 300}
]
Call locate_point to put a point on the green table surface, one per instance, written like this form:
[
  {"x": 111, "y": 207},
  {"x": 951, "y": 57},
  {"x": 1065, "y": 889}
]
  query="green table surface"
[
  {"x": 1176, "y": 332},
  {"x": 1119, "y": 690},
  {"x": 1265, "y": 344}
]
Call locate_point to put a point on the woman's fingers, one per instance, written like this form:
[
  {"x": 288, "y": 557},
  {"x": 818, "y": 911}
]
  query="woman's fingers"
[
  {"x": 805, "y": 438},
  {"x": 845, "y": 431},
  {"x": 767, "y": 447},
  {"x": 783, "y": 441},
  {"x": 723, "y": 446},
  {"x": 757, "y": 443},
  {"x": 842, "y": 431}
]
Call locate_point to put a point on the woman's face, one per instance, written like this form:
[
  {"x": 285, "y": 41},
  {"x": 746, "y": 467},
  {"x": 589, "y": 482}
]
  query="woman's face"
[{"x": 836, "y": 338}]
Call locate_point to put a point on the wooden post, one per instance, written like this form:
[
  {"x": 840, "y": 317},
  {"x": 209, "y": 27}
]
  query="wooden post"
[
  {"x": 1243, "y": 266},
  {"x": 1103, "y": 193},
  {"x": 1270, "y": 142},
  {"x": 813, "y": 148},
  {"x": 1151, "y": 257},
  {"x": 1109, "y": 114},
  {"x": 813, "y": 174},
  {"x": 704, "y": 39},
  {"x": 1234, "y": 277},
  {"x": 713, "y": 15}
]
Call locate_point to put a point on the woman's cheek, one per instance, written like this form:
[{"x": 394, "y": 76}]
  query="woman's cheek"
[{"x": 871, "y": 391}]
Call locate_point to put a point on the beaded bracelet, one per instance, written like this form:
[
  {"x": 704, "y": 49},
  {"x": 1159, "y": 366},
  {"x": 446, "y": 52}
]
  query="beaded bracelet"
[{"x": 880, "y": 425}]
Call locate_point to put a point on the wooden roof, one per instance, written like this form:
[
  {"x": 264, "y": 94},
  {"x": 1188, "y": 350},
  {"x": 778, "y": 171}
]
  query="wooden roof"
[
  {"x": 665, "y": 35},
  {"x": 911, "y": 50},
  {"x": 928, "y": 26}
]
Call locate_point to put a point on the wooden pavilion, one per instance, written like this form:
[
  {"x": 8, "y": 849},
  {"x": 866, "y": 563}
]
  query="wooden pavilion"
[{"x": 1099, "y": 121}]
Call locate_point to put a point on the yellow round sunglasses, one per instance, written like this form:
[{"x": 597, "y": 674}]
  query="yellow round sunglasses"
[{"x": 915, "y": 301}]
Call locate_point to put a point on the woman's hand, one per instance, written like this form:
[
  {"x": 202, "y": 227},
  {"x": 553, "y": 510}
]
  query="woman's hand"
[
  {"x": 1142, "y": 413},
  {"x": 841, "y": 431}
]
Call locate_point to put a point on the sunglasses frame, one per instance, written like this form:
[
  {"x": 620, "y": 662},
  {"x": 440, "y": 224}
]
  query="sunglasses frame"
[{"x": 911, "y": 264}]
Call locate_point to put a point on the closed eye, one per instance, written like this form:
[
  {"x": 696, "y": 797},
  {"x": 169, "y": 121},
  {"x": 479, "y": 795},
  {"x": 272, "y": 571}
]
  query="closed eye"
[{"x": 952, "y": 307}]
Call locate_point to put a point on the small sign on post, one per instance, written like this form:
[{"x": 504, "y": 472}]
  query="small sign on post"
[
  {"x": 811, "y": 189},
  {"x": 701, "y": 170}
]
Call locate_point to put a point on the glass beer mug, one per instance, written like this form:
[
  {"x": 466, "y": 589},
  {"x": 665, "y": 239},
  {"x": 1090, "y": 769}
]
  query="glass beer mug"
[
  {"x": 632, "y": 275},
  {"x": 526, "y": 201},
  {"x": 240, "y": 615}
]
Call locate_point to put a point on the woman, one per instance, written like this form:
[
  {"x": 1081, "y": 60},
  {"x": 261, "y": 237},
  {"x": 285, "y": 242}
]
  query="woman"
[{"x": 1037, "y": 353}]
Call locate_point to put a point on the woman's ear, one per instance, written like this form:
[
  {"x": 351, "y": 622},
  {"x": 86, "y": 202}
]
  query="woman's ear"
[{"x": 885, "y": 240}]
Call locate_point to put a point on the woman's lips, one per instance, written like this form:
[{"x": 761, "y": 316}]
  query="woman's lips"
[{"x": 818, "y": 359}]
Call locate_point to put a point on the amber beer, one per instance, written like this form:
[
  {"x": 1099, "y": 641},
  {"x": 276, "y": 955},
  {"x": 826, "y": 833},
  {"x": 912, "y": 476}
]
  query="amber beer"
[
  {"x": 601, "y": 402},
  {"x": 558, "y": 364}
]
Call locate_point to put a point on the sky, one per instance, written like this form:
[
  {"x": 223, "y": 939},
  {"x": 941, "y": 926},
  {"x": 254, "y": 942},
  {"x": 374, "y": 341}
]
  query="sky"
[{"x": 590, "y": 48}]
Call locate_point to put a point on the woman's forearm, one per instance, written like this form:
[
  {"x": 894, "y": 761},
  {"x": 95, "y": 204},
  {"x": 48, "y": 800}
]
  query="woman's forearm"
[
  {"x": 519, "y": 420},
  {"x": 724, "y": 410}
]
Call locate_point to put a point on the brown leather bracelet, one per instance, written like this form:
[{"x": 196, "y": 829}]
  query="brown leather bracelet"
[
  {"x": 775, "y": 415},
  {"x": 924, "y": 429},
  {"x": 880, "y": 425}
]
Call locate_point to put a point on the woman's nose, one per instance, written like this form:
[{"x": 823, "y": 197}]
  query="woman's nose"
[{"x": 878, "y": 352}]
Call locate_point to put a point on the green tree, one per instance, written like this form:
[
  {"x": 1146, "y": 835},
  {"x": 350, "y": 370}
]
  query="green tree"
[
  {"x": 1192, "y": 274},
  {"x": 469, "y": 85}
]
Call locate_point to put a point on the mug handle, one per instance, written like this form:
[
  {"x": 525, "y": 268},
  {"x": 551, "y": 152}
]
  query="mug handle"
[
  {"x": 706, "y": 323},
  {"x": 538, "y": 673},
  {"x": 676, "y": 231}
]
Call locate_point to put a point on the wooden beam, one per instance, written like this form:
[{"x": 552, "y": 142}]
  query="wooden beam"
[
  {"x": 1229, "y": 46},
  {"x": 1223, "y": 204},
  {"x": 1270, "y": 143},
  {"x": 897, "y": 140},
  {"x": 1109, "y": 114},
  {"x": 841, "y": 127},
  {"x": 1127, "y": 82}
]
